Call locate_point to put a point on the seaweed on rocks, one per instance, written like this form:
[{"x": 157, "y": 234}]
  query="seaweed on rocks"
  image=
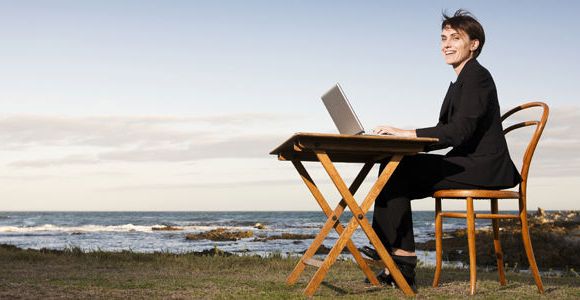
[
  {"x": 220, "y": 234},
  {"x": 285, "y": 236}
]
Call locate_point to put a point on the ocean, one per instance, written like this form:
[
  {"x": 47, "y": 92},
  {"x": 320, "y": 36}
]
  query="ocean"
[{"x": 134, "y": 231}]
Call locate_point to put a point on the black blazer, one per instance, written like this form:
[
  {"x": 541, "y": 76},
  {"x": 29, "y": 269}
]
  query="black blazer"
[{"x": 470, "y": 122}]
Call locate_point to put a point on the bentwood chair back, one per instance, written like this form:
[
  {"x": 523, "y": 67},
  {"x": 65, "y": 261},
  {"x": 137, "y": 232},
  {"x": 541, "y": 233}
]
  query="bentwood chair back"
[{"x": 493, "y": 196}]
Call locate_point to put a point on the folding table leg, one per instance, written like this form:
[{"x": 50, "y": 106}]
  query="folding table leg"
[
  {"x": 359, "y": 218},
  {"x": 332, "y": 221}
]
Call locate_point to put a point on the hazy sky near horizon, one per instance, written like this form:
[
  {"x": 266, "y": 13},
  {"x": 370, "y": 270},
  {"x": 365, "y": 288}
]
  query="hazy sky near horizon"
[{"x": 175, "y": 105}]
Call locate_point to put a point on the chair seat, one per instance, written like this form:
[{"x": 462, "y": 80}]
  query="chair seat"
[{"x": 476, "y": 194}]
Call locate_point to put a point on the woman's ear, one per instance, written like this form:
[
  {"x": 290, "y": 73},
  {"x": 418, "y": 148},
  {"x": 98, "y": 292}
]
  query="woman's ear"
[{"x": 474, "y": 45}]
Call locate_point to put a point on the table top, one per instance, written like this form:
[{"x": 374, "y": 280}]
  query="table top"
[{"x": 348, "y": 148}]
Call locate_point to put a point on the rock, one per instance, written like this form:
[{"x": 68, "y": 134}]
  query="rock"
[
  {"x": 259, "y": 226},
  {"x": 285, "y": 236},
  {"x": 555, "y": 240},
  {"x": 291, "y": 236},
  {"x": 220, "y": 234},
  {"x": 540, "y": 212},
  {"x": 212, "y": 252},
  {"x": 166, "y": 228}
]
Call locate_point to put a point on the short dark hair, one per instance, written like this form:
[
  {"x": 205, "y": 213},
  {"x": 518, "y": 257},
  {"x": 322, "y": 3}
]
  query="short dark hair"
[{"x": 465, "y": 21}]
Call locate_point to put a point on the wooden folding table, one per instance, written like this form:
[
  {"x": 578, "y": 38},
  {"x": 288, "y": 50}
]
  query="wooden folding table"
[{"x": 333, "y": 148}]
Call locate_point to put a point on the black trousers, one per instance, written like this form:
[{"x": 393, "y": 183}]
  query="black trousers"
[{"x": 416, "y": 177}]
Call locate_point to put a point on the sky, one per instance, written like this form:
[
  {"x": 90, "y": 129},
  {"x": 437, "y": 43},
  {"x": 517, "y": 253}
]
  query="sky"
[{"x": 174, "y": 105}]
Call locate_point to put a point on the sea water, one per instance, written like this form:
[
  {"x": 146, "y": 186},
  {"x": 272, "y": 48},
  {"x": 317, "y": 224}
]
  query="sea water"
[{"x": 134, "y": 231}]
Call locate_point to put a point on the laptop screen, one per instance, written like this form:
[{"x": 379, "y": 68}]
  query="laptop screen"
[{"x": 341, "y": 112}]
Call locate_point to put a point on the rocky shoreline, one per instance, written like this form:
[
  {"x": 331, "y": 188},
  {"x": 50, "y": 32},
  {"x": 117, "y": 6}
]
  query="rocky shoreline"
[
  {"x": 555, "y": 239},
  {"x": 224, "y": 234}
]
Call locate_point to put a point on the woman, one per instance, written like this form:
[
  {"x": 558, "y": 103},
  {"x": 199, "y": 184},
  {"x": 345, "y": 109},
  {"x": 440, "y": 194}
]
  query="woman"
[{"x": 470, "y": 123}]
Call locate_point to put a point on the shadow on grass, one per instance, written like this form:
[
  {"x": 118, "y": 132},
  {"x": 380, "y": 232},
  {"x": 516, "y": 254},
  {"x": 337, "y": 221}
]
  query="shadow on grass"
[
  {"x": 335, "y": 288},
  {"x": 370, "y": 289},
  {"x": 514, "y": 279}
]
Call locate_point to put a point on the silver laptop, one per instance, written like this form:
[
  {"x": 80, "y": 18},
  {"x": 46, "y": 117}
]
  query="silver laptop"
[{"x": 341, "y": 112}]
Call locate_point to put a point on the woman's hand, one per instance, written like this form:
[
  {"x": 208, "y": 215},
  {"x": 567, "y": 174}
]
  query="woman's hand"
[{"x": 390, "y": 130}]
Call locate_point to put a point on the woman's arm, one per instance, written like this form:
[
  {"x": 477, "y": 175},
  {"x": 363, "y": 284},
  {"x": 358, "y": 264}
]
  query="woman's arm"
[{"x": 469, "y": 107}]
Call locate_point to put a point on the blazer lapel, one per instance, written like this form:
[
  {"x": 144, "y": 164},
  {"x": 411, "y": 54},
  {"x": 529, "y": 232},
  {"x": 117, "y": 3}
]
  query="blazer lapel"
[
  {"x": 443, "y": 115},
  {"x": 454, "y": 88}
]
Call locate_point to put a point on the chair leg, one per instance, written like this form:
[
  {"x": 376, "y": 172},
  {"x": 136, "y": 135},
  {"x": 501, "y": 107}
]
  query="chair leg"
[
  {"x": 497, "y": 243},
  {"x": 438, "y": 242},
  {"x": 530, "y": 252},
  {"x": 471, "y": 245}
]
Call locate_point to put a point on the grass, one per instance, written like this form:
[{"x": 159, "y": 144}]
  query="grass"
[{"x": 74, "y": 274}]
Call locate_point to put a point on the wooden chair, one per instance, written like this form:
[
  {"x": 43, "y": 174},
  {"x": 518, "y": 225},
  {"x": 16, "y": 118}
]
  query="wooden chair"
[{"x": 493, "y": 196}]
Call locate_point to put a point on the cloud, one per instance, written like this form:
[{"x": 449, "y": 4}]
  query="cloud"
[
  {"x": 33, "y": 131},
  {"x": 236, "y": 147},
  {"x": 18, "y": 131},
  {"x": 67, "y": 160},
  {"x": 556, "y": 153},
  {"x": 209, "y": 185},
  {"x": 138, "y": 138},
  {"x": 135, "y": 139}
]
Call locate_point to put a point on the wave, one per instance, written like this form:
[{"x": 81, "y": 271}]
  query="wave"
[
  {"x": 221, "y": 223},
  {"x": 105, "y": 228},
  {"x": 74, "y": 229}
]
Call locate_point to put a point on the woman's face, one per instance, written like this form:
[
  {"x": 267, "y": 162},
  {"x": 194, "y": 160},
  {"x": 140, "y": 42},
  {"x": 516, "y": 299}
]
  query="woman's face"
[{"x": 456, "y": 47}]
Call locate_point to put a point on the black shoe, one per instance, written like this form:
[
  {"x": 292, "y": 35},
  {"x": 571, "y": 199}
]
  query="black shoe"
[
  {"x": 400, "y": 260},
  {"x": 406, "y": 265},
  {"x": 387, "y": 279},
  {"x": 370, "y": 252},
  {"x": 383, "y": 278}
]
